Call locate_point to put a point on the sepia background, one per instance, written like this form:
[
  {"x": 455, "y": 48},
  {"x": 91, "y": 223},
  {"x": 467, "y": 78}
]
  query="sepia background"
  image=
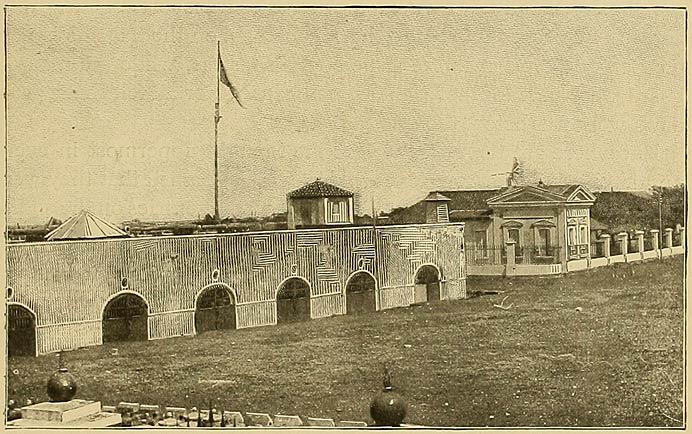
[{"x": 112, "y": 109}]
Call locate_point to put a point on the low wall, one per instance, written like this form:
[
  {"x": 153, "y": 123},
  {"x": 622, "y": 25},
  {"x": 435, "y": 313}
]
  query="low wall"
[
  {"x": 486, "y": 270},
  {"x": 572, "y": 266},
  {"x": 599, "y": 262},
  {"x": 577, "y": 265},
  {"x": 534, "y": 270},
  {"x": 67, "y": 285},
  {"x": 650, "y": 254}
]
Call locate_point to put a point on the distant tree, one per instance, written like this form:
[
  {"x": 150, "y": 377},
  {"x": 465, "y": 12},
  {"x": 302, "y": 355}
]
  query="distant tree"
[
  {"x": 672, "y": 204},
  {"x": 627, "y": 211},
  {"x": 397, "y": 210}
]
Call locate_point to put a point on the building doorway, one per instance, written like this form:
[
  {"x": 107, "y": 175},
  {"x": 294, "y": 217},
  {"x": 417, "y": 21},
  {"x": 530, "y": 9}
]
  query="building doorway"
[
  {"x": 125, "y": 318},
  {"x": 215, "y": 309},
  {"x": 429, "y": 276},
  {"x": 360, "y": 293},
  {"x": 293, "y": 301},
  {"x": 21, "y": 331}
]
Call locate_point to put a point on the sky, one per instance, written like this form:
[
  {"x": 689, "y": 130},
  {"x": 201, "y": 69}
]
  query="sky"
[{"x": 112, "y": 109}]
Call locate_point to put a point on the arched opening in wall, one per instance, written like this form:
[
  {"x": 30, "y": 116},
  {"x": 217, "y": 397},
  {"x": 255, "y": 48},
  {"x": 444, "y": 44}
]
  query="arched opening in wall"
[
  {"x": 360, "y": 293},
  {"x": 293, "y": 301},
  {"x": 21, "y": 331},
  {"x": 125, "y": 319},
  {"x": 215, "y": 309},
  {"x": 429, "y": 277}
]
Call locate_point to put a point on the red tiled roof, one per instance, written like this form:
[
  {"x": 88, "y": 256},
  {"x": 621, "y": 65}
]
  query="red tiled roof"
[
  {"x": 562, "y": 189},
  {"x": 319, "y": 189},
  {"x": 470, "y": 200}
]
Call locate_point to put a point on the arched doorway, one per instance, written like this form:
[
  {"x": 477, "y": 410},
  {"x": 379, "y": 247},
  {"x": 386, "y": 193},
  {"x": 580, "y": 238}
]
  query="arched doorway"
[
  {"x": 125, "y": 319},
  {"x": 429, "y": 278},
  {"x": 21, "y": 331},
  {"x": 293, "y": 301},
  {"x": 215, "y": 309},
  {"x": 360, "y": 293}
]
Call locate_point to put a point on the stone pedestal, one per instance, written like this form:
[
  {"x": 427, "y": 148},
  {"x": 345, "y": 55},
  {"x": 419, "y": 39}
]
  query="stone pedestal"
[
  {"x": 640, "y": 242},
  {"x": 669, "y": 238},
  {"x": 654, "y": 242},
  {"x": 75, "y": 413},
  {"x": 606, "y": 246}
]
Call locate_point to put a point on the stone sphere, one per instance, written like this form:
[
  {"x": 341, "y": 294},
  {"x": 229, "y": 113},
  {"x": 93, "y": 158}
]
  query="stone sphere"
[
  {"x": 388, "y": 409},
  {"x": 62, "y": 386}
]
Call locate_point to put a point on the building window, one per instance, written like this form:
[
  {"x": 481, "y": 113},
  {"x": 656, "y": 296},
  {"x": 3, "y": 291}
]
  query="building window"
[
  {"x": 337, "y": 212},
  {"x": 543, "y": 242},
  {"x": 442, "y": 213},
  {"x": 513, "y": 235},
  {"x": 572, "y": 235},
  {"x": 583, "y": 235}
]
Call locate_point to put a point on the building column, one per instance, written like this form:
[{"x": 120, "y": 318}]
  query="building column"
[
  {"x": 605, "y": 238},
  {"x": 623, "y": 244},
  {"x": 511, "y": 258},
  {"x": 640, "y": 242},
  {"x": 654, "y": 242}
]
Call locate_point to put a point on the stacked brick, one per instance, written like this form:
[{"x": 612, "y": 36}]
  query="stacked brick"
[{"x": 143, "y": 415}]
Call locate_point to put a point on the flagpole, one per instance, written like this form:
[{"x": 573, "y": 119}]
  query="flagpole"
[{"x": 216, "y": 134}]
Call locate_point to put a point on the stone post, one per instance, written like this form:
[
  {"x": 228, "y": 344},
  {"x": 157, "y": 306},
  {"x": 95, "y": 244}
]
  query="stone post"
[
  {"x": 640, "y": 242},
  {"x": 511, "y": 258},
  {"x": 669, "y": 238},
  {"x": 683, "y": 241},
  {"x": 654, "y": 242},
  {"x": 605, "y": 238},
  {"x": 623, "y": 244}
]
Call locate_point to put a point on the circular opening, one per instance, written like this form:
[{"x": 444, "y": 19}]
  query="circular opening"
[
  {"x": 215, "y": 274},
  {"x": 123, "y": 282},
  {"x": 10, "y": 292}
]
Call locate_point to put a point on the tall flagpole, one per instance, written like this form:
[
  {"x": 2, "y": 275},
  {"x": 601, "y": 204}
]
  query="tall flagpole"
[{"x": 217, "y": 117}]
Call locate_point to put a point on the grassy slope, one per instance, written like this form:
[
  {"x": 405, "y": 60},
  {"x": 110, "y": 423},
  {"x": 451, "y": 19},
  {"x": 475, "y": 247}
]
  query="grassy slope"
[{"x": 617, "y": 362}]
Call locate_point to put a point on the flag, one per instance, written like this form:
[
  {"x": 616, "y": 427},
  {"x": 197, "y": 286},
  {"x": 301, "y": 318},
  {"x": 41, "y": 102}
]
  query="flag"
[{"x": 224, "y": 79}]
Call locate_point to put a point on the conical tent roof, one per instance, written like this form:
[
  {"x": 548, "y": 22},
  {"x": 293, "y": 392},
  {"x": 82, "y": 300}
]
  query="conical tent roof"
[{"x": 84, "y": 225}]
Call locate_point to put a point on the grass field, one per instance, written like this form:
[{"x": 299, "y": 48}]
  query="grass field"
[{"x": 617, "y": 361}]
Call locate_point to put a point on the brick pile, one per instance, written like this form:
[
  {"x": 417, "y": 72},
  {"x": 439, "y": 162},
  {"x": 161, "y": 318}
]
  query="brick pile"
[{"x": 144, "y": 415}]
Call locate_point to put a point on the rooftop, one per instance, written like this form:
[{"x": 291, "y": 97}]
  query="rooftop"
[{"x": 319, "y": 189}]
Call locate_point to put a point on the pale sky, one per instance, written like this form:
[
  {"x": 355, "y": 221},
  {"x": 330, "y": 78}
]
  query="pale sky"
[{"x": 111, "y": 109}]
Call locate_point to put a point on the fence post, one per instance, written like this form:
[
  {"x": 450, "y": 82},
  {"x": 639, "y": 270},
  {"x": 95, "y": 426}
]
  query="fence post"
[
  {"x": 669, "y": 239},
  {"x": 606, "y": 247},
  {"x": 683, "y": 241},
  {"x": 654, "y": 242},
  {"x": 511, "y": 251},
  {"x": 623, "y": 244},
  {"x": 640, "y": 242}
]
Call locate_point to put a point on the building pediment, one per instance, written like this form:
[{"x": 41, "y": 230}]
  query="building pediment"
[
  {"x": 525, "y": 195},
  {"x": 512, "y": 224},
  {"x": 543, "y": 224},
  {"x": 581, "y": 194}
]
